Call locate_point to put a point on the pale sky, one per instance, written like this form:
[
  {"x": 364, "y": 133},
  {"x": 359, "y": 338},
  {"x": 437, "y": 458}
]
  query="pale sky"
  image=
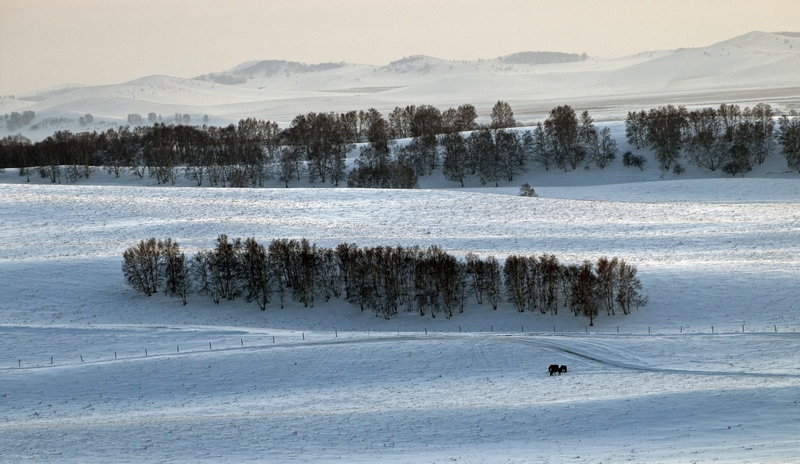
[{"x": 44, "y": 43}]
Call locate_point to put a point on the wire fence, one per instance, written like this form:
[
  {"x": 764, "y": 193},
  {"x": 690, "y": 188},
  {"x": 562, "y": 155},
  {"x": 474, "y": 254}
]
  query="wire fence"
[{"x": 72, "y": 355}]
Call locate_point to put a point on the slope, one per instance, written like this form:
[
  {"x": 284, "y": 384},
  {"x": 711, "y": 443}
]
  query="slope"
[{"x": 747, "y": 69}]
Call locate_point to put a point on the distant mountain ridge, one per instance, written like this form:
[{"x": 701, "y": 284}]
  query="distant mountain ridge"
[
  {"x": 751, "y": 68},
  {"x": 416, "y": 63},
  {"x": 267, "y": 68},
  {"x": 542, "y": 57}
]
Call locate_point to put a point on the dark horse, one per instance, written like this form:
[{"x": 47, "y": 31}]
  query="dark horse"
[
  {"x": 554, "y": 369},
  {"x": 563, "y": 368}
]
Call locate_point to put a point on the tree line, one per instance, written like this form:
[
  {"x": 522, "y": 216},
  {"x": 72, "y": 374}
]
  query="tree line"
[
  {"x": 381, "y": 279},
  {"x": 16, "y": 120},
  {"x": 315, "y": 146},
  {"x": 728, "y": 138}
]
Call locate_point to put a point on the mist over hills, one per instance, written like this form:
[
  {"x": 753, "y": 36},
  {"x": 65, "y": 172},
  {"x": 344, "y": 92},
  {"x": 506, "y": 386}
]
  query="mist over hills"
[{"x": 748, "y": 69}]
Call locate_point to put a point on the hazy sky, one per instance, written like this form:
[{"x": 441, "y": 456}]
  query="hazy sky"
[{"x": 44, "y": 43}]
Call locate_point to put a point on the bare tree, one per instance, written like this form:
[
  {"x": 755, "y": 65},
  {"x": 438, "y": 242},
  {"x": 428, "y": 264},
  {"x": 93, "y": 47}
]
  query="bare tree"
[
  {"x": 789, "y": 138},
  {"x": 502, "y": 116},
  {"x": 630, "y": 288},
  {"x": 141, "y": 266},
  {"x": 664, "y": 133},
  {"x": 636, "y": 128},
  {"x": 705, "y": 145},
  {"x": 255, "y": 270},
  {"x": 174, "y": 268},
  {"x": 515, "y": 271},
  {"x": 602, "y": 148},
  {"x": 607, "y": 283},
  {"x": 562, "y": 128},
  {"x": 456, "y": 166}
]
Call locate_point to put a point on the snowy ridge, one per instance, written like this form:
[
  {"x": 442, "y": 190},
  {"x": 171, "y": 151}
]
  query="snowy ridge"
[{"x": 755, "y": 67}]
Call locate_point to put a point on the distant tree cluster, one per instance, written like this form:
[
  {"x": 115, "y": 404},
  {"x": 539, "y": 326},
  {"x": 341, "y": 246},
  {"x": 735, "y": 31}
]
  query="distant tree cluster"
[
  {"x": 86, "y": 119},
  {"x": 452, "y": 142},
  {"x": 727, "y": 138},
  {"x": 568, "y": 141},
  {"x": 541, "y": 283},
  {"x": 380, "y": 279},
  {"x": 136, "y": 119},
  {"x": 240, "y": 156},
  {"x": 789, "y": 138},
  {"x": 151, "y": 263},
  {"x": 16, "y": 121},
  {"x": 316, "y": 145},
  {"x": 48, "y": 123},
  {"x": 542, "y": 57}
]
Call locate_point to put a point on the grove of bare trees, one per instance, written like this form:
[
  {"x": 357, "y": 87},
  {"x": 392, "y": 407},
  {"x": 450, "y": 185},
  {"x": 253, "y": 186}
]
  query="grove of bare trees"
[
  {"x": 315, "y": 146},
  {"x": 380, "y": 279}
]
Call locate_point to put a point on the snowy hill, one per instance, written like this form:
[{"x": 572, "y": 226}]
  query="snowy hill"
[
  {"x": 93, "y": 371},
  {"x": 707, "y": 371},
  {"x": 755, "y": 67},
  {"x": 752, "y": 60}
]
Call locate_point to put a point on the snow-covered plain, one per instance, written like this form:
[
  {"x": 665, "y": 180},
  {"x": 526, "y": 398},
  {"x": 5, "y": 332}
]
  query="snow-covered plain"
[{"x": 709, "y": 371}]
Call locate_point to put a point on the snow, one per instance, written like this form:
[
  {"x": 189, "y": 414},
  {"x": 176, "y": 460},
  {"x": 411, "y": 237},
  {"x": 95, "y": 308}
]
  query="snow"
[
  {"x": 708, "y": 371},
  {"x": 753, "y": 68}
]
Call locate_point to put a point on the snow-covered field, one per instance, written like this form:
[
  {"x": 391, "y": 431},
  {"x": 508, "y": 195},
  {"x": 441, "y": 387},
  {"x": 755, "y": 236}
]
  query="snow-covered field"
[{"x": 709, "y": 371}]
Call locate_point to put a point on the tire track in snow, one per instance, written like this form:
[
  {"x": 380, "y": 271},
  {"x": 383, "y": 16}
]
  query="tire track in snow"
[
  {"x": 604, "y": 354},
  {"x": 589, "y": 350}
]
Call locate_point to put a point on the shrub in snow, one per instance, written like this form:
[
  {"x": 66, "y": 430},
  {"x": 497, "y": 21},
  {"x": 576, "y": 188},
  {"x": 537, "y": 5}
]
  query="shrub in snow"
[
  {"x": 527, "y": 191},
  {"x": 631, "y": 160}
]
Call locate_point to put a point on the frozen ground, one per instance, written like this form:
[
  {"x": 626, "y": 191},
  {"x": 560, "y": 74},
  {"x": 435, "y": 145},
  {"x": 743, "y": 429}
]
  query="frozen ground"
[{"x": 92, "y": 371}]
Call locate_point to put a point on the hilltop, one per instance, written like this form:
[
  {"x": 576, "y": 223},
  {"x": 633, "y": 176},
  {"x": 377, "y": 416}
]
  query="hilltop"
[{"x": 755, "y": 67}]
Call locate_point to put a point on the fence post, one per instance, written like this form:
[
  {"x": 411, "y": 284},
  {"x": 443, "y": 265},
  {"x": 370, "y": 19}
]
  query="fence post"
[
  {"x": 712, "y": 329},
  {"x": 51, "y": 360},
  {"x": 179, "y": 348},
  {"x": 81, "y": 358},
  {"x": 145, "y": 351},
  {"x": 209, "y": 345}
]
